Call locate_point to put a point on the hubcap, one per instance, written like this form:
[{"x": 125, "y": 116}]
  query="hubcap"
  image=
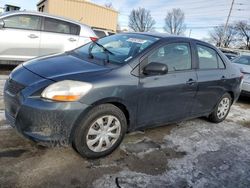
[
  {"x": 223, "y": 108},
  {"x": 103, "y": 133}
]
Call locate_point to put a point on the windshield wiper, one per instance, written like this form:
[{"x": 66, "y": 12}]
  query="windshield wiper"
[{"x": 105, "y": 50}]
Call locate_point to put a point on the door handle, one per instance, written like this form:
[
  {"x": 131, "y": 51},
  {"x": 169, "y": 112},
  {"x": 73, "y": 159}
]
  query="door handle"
[
  {"x": 223, "y": 78},
  {"x": 33, "y": 36},
  {"x": 72, "y": 39},
  {"x": 190, "y": 82}
]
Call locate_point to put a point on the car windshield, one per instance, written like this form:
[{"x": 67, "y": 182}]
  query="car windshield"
[
  {"x": 244, "y": 60},
  {"x": 123, "y": 47}
]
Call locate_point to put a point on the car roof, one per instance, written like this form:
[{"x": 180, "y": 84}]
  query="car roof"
[
  {"x": 168, "y": 36},
  {"x": 41, "y": 14}
]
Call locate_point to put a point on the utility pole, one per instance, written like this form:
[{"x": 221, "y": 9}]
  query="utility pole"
[
  {"x": 190, "y": 31},
  {"x": 226, "y": 25}
]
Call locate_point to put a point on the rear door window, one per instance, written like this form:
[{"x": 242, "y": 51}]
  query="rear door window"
[
  {"x": 59, "y": 26},
  {"x": 27, "y": 22},
  {"x": 209, "y": 58}
]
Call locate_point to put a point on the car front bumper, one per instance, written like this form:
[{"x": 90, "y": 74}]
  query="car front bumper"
[{"x": 49, "y": 123}]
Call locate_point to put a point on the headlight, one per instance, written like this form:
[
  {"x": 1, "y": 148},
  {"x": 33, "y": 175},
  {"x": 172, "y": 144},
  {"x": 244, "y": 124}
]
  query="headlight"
[{"x": 66, "y": 90}]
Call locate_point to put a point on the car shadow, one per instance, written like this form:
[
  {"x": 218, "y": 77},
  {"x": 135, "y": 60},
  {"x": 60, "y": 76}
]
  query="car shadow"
[{"x": 244, "y": 100}]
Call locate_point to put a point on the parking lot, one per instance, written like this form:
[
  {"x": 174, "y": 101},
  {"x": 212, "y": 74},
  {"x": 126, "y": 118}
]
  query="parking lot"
[{"x": 194, "y": 153}]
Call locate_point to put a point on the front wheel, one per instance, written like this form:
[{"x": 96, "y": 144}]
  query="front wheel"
[
  {"x": 222, "y": 109},
  {"x": 101, "y": 132}
]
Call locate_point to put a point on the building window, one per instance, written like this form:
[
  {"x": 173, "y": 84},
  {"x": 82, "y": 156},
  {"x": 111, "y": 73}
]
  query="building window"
[{"x": 41, "y": 9}]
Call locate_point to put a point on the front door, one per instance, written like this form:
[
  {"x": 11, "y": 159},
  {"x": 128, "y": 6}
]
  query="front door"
[
  {"x": 169, "y": 97},
  {"x": 20, "y": 37}
]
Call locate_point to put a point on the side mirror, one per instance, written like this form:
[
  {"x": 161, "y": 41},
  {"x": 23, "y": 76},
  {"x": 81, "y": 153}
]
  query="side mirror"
[
  {"x": 1, "y": 24},
  {"x": 155, "y": 68}
]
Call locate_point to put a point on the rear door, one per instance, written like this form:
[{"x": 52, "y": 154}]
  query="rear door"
[
  {"x": 58, "y": 36},
  {"x": 20, "y": 37},
  {"x": 166, "y": 98},
  {"x": 212, "y": 79}
]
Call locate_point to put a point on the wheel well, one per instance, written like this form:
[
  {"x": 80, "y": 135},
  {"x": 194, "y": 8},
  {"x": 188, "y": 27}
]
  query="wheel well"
[
  {"x": 231, "y": 94},
  {"x": 123, "y": 108}
]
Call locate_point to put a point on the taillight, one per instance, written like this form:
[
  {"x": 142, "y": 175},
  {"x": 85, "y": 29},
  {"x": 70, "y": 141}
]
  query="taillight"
[
  {"x": 241, "y": 76},
  {"x": 93, "y": 39},
  {"x": 241, "y": 73}
]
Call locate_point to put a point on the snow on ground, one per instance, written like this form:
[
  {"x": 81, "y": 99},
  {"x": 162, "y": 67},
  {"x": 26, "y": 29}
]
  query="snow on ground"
[
  {"x": 216, "y": 155},
  {"x": 239, "y": 113}
]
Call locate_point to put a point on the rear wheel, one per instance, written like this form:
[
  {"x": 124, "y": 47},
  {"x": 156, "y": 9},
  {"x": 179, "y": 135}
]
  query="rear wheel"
[
  {"x": 222, "y": 109},
  {"x": 101, "y": 132}
]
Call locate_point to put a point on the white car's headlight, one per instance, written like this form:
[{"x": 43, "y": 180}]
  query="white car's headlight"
[{"x": 67, "y": 90}]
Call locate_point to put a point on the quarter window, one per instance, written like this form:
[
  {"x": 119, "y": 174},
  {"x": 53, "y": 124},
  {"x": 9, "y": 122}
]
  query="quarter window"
[
  {"x": 58, "y": 26},
  {"x": 220, "y": 62},
  {"x": 177, "y": 56},
  {"x": 27, "y": 22},
  {"x": 209, "y": 58}
]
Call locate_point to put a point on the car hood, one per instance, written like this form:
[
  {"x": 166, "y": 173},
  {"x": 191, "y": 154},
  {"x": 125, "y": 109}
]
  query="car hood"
[
  {"x": 63, "y": 65},
  {"x": 243, "y": 68}
]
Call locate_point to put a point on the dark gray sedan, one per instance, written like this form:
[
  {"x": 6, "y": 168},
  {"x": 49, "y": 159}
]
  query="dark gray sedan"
[{"x": 91, "y": 96}]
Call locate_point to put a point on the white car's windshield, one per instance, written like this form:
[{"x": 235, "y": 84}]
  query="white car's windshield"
[
  {"x": 244, "y": 60},
  {"x": 123, "y": 47}
]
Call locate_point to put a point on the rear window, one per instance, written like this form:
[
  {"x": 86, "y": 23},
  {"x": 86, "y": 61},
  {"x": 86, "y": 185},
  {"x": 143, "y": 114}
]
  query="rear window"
[
  {"x": 111, "y": 33},
  {"x": 58, "y": 26},
  {"x": 100, "y": 34}
]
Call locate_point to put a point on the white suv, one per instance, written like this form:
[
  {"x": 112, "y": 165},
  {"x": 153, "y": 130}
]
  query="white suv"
[{"x": 25, "y": 35}]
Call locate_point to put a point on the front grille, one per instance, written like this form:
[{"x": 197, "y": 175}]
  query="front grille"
[
  {"x": 12, "y": 91},
  {"x": 13, "y": 87}
]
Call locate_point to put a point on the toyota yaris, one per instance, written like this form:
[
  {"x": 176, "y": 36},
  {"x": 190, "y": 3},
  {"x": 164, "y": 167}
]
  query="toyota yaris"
[{"x": 91, "y": 96}]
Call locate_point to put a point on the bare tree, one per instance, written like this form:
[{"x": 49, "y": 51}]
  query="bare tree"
[
  {"x": 140, "y": 20},
  {"x": 108, "y": 5},
  {"x": 174, "y": 22},
  {"x": 243, "y": 29},
  {"x": 228, "y": 38}
]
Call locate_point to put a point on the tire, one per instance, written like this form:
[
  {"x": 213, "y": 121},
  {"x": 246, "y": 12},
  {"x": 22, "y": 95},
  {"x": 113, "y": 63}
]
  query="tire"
[
  {"x": 222, "y": 109},
  {"x": 97, "y": 125}
]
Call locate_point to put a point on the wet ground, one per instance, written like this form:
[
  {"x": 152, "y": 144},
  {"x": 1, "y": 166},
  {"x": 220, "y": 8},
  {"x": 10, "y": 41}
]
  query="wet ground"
[{"x": 194, "y": 153}]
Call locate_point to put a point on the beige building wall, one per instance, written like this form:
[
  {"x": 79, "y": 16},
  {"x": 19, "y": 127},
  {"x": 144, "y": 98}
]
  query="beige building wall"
[{"x": 82, "y": 11}]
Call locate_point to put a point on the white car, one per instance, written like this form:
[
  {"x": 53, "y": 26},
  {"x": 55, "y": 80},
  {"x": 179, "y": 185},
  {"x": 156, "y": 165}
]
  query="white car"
[
  {"x": 26, "y": 35},
  {"x": 243, "y": 62}
]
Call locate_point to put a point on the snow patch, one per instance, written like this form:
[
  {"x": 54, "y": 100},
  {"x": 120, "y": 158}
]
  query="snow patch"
[{"x": 216, "y": 155}]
